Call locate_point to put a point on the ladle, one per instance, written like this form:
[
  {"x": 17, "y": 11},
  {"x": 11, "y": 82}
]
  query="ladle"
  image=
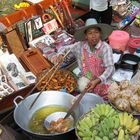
[{"x": 57, "y": 115}]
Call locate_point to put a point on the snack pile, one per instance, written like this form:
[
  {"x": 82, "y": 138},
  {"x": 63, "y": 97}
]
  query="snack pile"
[
  {"x": 125, "y": 96},
  {"x": 104, "y": 123}
]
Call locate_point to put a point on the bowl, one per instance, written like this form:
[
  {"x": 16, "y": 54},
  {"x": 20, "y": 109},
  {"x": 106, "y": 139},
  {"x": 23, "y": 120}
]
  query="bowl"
[{"x": 89, "y": 101}]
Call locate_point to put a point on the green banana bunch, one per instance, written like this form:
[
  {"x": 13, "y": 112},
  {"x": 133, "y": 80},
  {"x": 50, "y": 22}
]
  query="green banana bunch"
[
  {"x": 85, "y": 126},
  {"x": 102, "y": 111},
  {"x": 106, "y": 127}
]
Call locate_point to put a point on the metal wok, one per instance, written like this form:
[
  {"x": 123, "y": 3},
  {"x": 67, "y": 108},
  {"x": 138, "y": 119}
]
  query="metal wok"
[{"x": 22, "y": 114}]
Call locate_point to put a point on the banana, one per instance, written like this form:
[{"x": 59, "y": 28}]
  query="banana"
[
  {"x": 116, "y": 122},
  {"x": 129, "y": 125},
  {"x": 93, "y": 121},
  {"x": 86, "y": 138},
  {"x": 101, "y": 134},
  {"x": 111, "y": 123},
  {"x": 129, "y": 122},
  {"x": 80, "y": 134},
  {"x": 96, "y": 112},
  {"x": 97, "y": 138},
  {"x": 125, "y": 118},
  {"x": 121, "y": 119},
  {"x": 83, "y": 124},
  {"x": 135, "y": 129},
  {"x": 111, "y": 113},
  {"x": 88, "y": 121},
  {"x": 107, "y": 109},
  {"x": 135, "y": 123},
  {"x": 127, "y": 137},
  {"x": 105, "y": 138},
  {"x": 121, "y": 135}
]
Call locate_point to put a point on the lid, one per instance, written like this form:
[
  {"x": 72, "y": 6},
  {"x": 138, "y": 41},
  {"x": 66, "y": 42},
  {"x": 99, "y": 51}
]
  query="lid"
[{"x": 134, "y": 42}]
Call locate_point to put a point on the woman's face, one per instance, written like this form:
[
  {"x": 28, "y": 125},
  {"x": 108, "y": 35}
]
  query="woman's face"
[{"x": 93, "y": 36}]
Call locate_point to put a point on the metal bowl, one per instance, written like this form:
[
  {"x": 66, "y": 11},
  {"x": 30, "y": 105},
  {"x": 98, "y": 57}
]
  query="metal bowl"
[{"x": 89, "y": 101}]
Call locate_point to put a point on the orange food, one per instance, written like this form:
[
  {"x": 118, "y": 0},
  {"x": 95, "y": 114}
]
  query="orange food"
[
  {"x": 62, "y": 79},
  {"x": 60, "y": 126}
]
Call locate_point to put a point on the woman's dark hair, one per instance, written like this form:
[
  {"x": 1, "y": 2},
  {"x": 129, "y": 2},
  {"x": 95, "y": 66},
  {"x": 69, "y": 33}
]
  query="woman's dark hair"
[{"x": 95, "y": 27}]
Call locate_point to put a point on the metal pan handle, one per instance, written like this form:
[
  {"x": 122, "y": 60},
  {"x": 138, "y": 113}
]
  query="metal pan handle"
[{"x": 18, "y": 97}]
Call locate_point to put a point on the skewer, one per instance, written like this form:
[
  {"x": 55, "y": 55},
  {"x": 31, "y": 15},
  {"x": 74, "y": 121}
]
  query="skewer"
[{"x": 57, "y": 66}]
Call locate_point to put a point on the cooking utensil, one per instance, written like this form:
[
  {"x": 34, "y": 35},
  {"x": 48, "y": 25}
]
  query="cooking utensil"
[
  {"x": 58, "y": 115},
  {"x": 47, "y": 98}
]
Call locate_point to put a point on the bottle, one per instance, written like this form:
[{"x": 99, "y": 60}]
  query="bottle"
[{"x": 137, "y": 52}]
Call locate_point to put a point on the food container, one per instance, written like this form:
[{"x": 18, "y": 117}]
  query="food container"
[
  {"x": 133, "y": 44},
  {"x": 118, "y": 40}
]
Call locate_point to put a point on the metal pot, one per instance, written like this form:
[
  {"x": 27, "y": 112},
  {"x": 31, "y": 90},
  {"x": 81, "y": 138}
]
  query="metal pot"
[{"x": 22, "y": 114}]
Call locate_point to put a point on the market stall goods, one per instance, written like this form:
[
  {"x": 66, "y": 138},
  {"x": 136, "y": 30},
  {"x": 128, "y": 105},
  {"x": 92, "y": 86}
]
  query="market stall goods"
[
  {"x": 125, "y": 96},
  {"x": 63, "y": 79},
  {"x": 104, "y": 123}
]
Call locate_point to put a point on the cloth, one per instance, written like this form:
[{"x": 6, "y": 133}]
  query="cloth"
[
  {"x": 107, "y": 56},
  {"x": 101, "y": 5},
  {"x": 93, "y": 63}
]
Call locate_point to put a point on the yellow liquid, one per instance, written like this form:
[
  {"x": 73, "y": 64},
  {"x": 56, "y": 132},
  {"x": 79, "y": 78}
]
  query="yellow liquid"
[{"x": 36, "y": 124}]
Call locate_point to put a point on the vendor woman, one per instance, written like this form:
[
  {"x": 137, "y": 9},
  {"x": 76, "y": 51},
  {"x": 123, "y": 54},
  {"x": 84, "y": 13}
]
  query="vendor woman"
[{"x": 93, "y": 54}]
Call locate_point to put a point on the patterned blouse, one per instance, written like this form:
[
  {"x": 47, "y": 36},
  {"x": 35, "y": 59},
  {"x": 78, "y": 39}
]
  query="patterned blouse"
[{"x": 106, "y": 52}]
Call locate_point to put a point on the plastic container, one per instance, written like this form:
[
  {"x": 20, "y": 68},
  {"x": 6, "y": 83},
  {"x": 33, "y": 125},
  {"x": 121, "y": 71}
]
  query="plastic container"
[
  {"x": 118, "y": 40},
  {"x": 137, "y": 52},
  {"x": 133, "y": 44}
]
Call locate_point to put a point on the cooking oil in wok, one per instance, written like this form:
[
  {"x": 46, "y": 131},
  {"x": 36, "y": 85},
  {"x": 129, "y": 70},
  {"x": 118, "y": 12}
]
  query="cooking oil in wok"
[{"x": 36, "y": 124}]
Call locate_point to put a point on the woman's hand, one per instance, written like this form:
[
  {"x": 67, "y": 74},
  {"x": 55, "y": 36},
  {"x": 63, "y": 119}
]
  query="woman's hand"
[
  {"x": 57, "y": 59},
  {"x": 93, "y": 84}
]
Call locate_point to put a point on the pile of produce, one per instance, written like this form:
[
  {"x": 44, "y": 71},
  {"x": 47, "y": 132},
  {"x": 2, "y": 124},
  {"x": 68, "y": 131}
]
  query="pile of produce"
[
  {"x": 125, "y": 96},
  {"x": 104, "y": 123}
]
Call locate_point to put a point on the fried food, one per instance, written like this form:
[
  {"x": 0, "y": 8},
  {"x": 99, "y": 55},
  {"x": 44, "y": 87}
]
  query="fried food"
[
  {"x": 60, "y": 126},
  {"x": 62, "y": 79}
]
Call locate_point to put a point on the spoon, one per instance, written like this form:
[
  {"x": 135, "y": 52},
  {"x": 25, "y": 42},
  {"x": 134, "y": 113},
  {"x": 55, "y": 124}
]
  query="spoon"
[{"x": 57, "y": 115}]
